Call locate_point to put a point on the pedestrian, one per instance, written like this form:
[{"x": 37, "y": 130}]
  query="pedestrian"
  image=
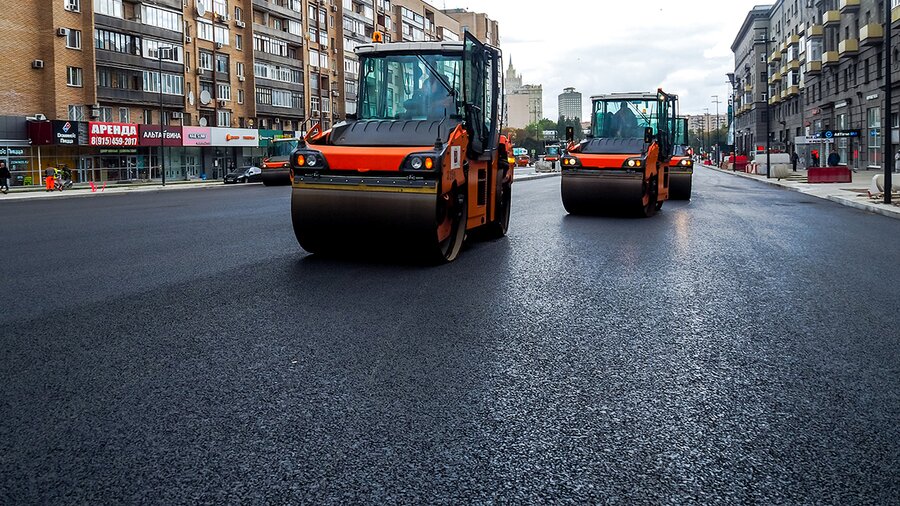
[
  {"x": 50, "y": 178},
  {"x": 815, "y": 158},
  {"x": 4, "y": 177},
  {"x": 794, "y": 159},
  {"x": 834, "y": 159}
]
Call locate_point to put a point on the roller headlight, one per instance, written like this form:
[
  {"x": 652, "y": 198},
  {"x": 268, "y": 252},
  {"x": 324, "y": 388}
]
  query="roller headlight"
[
  {"x": 634, "y": 163},
  {"x": 422, "y": 161},
  {"x": 687, "y": 162},
  {"x": 311, "y": 160}
]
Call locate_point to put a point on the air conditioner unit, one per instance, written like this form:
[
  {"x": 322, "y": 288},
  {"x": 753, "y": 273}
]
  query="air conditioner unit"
[
  {"x": 188, "y": 40},
  {"x": 40, "y": 117},
  {"x": 276, "y": 120},
  {"x": 177, "y": 115},
  {"x": 95, "y": 113},
  {"x": 241, "y": 78},
  {"x": 219, "y": 45},
  {"x": 201, "y": 71},
  {"x": 333, "y": 8},
  {"x": 221, "y": 103},
  {"x": 62, "y": 32},
  {"x": 37, "y": 64},
  {"x": 240, "y": 24},
  {"x": 72, "y": 5}
]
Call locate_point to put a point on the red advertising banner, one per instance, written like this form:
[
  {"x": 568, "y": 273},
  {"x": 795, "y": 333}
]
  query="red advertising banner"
[
  {"x": 112, "y": 134},
  {"x": 149, "y": 135}
]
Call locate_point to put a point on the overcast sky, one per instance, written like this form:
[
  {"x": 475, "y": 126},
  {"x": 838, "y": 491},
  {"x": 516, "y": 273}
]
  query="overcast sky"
[{"x": 600, "y": 46}]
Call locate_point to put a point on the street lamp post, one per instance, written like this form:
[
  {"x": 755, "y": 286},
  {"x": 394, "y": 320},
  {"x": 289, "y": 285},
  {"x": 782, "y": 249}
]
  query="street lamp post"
[
  {"x": 768, "y": 112},
  {"x": 888, "y": 146},
  {"x": 718, "y": 149},
  {"x": 162, "y": 131}
]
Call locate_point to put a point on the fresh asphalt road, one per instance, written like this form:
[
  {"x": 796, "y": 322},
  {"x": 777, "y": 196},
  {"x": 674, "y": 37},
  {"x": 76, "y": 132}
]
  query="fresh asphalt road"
[{"x": 179, "y": 347}]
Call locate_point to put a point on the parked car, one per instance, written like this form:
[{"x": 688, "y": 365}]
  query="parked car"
[
  {"x": 244, "y": 175},
  {"x": 522, "y": 160}
]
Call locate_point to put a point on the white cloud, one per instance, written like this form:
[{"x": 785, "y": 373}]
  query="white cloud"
[{"x": 602, "y": 47}]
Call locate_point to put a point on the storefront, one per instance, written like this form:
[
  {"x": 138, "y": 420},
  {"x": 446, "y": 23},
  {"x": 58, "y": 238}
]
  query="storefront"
[
  {"x": 171, "y": 144},
  {"x": 231, "y": 148},
  {"x": 195, "y": 140}
]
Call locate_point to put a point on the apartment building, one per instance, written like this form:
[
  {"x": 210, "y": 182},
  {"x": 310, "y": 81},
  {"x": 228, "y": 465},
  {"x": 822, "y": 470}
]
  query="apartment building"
[
  {"x": 144, "y": 89},
  {"x": 824, "y": 73},
  {"x": 479, "y": 24}
]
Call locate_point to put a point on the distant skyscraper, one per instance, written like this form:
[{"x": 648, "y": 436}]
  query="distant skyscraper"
[
  {"x": 570, "y": 104},
  {"x": 524, "y": 103}
]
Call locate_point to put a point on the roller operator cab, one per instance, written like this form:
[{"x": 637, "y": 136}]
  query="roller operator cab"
[
  {"x": 623, "y": 166},
  {"x": 420, "y": 164},
  {"x": 681, "y": 166}
]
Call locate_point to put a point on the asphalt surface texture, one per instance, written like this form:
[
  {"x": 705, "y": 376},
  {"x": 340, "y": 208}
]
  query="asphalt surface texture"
[{"x": 179, "y": 347}]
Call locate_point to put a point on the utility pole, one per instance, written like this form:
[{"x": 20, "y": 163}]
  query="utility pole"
[
  {"x": 706, "y": 131},
  {"x": 888, "y": 146}
]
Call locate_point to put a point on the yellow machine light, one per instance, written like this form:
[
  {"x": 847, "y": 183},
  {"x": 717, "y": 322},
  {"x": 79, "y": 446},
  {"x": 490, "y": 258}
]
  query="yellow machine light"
[
  {"x": 429, "y": 163},
  {"x": 637, "y": 163},
  {"x": 377, "y": 37},
  {"x": 631, "y": 163},
  {"x": 301, "y": 160}
]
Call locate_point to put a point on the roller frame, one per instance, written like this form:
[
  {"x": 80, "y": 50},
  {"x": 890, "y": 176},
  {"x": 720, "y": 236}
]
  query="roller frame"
[{"x": 276, "y": 177}]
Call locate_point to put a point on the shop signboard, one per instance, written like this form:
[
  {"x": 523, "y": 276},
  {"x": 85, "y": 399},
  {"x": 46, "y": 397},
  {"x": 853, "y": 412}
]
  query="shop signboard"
[
  {"x": 196, "y": 136},
  {"x": 149, "y": 136},
  {"x": 65, "y": 133},
  {"x": 112, "y": 134},
  {"x": 235, "y": 137},
  {"x": 11, "y": 151}
]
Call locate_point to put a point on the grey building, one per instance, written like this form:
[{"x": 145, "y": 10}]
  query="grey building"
[
  {"x": 570, "y": 104},
  {"x": 824, "y": 70}
]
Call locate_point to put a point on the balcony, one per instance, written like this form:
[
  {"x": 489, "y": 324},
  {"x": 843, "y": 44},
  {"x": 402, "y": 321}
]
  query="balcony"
[
  {"x": 783, "y": 47},
  {"x": 848, "y": 48},
  {"x": 831, "y": 18},
  {"x": 783, "y": 94},
  {"x": 830, "y": 58},
  {"x": 791, "y": 65},
  {"x": 792, "y": 91},
  {"x": 849, "y": 5},
  {"x": 816, "y": 31},
  {"x": 871, "y": 34},
  {"x": 813, "y": 68},
  {"x": 775, "y": 77},
  {"x": 793, "y": 40},
  {"x": 895, "y": 14},
  {"x": 775, "y": 56},
  {"x": 748, "y": 88},
  {"x": 775, "y": 99}
]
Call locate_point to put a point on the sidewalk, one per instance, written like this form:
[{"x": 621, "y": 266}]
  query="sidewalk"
[
  {"x": 854, "y": 194},
  {"x": 38, "y": 192},
  {"x": 112, "y": 188}
]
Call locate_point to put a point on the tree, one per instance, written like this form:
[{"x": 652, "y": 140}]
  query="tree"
[{"x": 575, "y": 123}]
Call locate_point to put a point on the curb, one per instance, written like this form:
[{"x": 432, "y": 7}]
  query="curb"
[
  {"x": 82, "y": 192},
  {"x": 535, "y": 176}
]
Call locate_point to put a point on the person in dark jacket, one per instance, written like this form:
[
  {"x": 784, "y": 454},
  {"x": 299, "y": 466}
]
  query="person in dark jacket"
[
  {"x": 4, "y": 177},
  {"x": 834, "y": 159}
]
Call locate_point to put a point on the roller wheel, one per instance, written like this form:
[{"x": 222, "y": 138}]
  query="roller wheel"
[
  {"x": 451, "y": 225},
  {"x": 498, "y": 229},
  {"x": 653, "y": 204},
  {"x": 681, "y": 192}
]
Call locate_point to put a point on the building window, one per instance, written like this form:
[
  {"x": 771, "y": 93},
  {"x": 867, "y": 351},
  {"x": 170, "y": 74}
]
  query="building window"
[
  {"x": 154, "y": 16},
  {"x": 73, "y": 5},
  {"x": 873, "y": 122},
  {"x": 108, "y": 8},
  {"x": 172, "y": 84},
  {"x": 148, "y": 116},
  {"x": 76, "y": 113},
  {"x": 73, "y": 39},
  {"x": 222, "y": 63},
  {"x": 106, "y": 114},
  {"x": 238, "y": 42},
  {"x": 117, "y": 42},
  {"x": 223, "y": 92},
  {"x": 206, "y": 60},
  {"x": 239, "y": 69},
  {"x": 263, "y": 96},
  {"x": 238, "y": 14},
  {"x": 123, "y": 115},
  {"x": 74, "y": 76},
  {"x": 240, "y": 96},
  {"x": 224, "y": 118}
]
